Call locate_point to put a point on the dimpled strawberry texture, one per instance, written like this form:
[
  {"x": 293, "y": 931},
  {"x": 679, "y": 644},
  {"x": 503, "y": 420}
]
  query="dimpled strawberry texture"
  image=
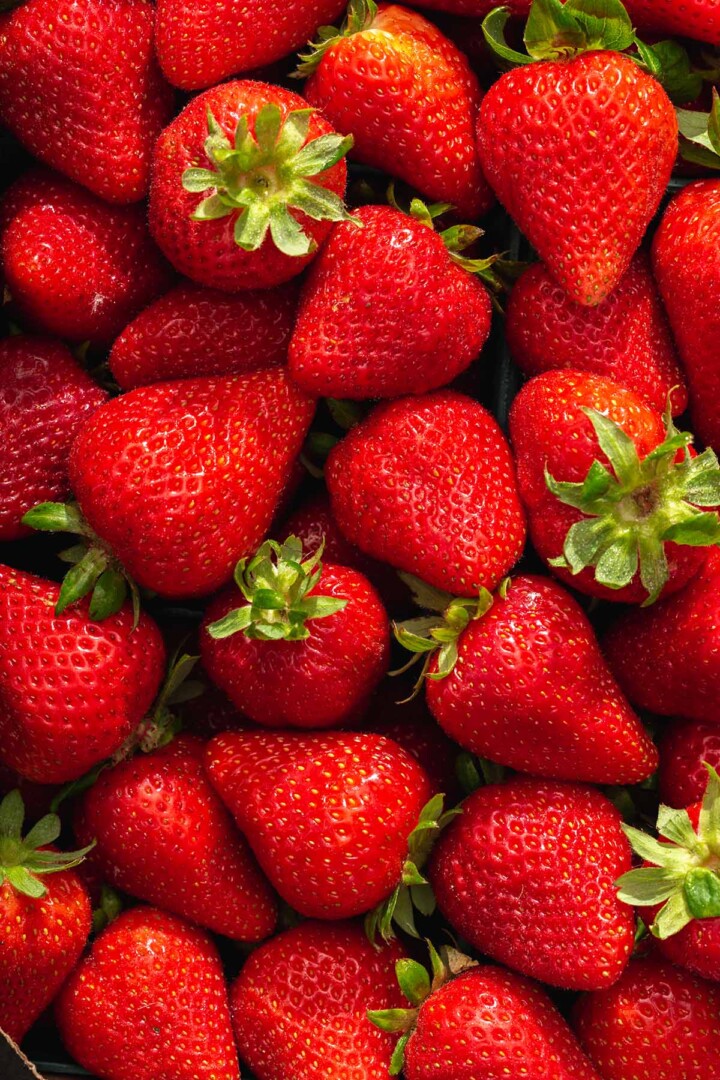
[
  {"x": 347, "y": 803},
  {"x": 490, "y": 1024},
  {"x": 299, "y": 1006},
  {"x": 205, "y": 251},
  {"x": 194, "y": 331},
  {"x": 71, "y": 690},
  {"x": 428, "y": 485},
  {"x": 149, "y": 1001},
  {"x": 201, "y": 42},
  {"x": 625, "y": 338},
  {"x": 181, "y": 479},
  {"x": 580, "y": 154},
  {"x": 80, "y": 88},
  {"x": 410, "y": 100},
  {"x": 684, "y": 747},
  {"x": 44, "y": 398},
  {"x": 526, "y": 874}
]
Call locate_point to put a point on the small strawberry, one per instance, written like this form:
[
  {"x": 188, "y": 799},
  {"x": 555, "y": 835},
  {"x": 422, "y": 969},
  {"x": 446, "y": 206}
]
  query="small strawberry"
[
  {"x": 408, "y": 97},
  {"x": 626, "y": 338},
  {"x": 684, "y": 746},
  {"x": 526, "y": 875},
  {"x": 44, "y": 398},
  {"x": 428, "y": 485},
  {"x": 246, "y": 182},
  {"x": 149, "y": 1001},
  {"x": 74, "y": 266},
  {"x": 628, "y": 534},
  {"x": 193, "y": 331},
  {"x": 80, "y": 88},
  {"x": 44, "y": 913},
  {"x": 299, "y": 1004}
]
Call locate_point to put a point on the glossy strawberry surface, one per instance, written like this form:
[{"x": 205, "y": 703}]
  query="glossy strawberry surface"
[{"x": 684, "y": 747}]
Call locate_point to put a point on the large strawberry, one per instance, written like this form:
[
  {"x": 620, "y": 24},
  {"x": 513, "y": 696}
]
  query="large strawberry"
[
  {"x": 428, "y": 485},
  {"x": 74, "y": 266},
  {"x": 526, "y": 875},
  {"x": 616, "y": 501},
  {"x": 71, "y": 691},
  {"x": 684, "y": 747},
  {"x": 408, "y": 97},
  {"x": 299, "y": 1004},
  {"x": 45, "y": 914},
  {"x": 245, "y": 184},
  {"x": 149, "y": 1001},
  {"x": 44, "y": 398},
  {"x": 80, "y": 88}
]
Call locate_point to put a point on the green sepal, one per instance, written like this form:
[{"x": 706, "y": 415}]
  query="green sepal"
[
  {"x": 22, "y": 863},
  {"x": 493, "y": 28},
  {"x": 670, "y": 64},
  {"x": 413, "y": 980},
  {"x": 346, "y": 414},
  {"x": 397, "y": 1061},
  {"x": 559, "y": 31},
  {"x": 107, "y": 911},
  {"x": 702, "y": 893},
  {"x": 391, "y": 1020},
  {"x": 56, "y": 517},
  {"x": 360, "y": 16},
  {"x": 700, "y": 134}
]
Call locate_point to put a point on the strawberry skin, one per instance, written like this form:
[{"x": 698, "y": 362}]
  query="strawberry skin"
[
  {"x": 327, "y": 815},
  {"x": 181, "y": 479},
  {"x": 684, "y": 746},
  {"x": 149, "y": 1001},
  {"x": 299, "y": 1005},
  {"x": 44, "y": 398},
  {"x": 163, "y": 835},
  {"x": 583, "y": 203},
  {"x": 430, "y": 318},
  {"x": 428, "y": 485},
  {"x": 626, "y": 338},
  {"x": 71, "y": 690},
  {"x": 526, "y": 874},
  {"x": 80, "y": 88}
]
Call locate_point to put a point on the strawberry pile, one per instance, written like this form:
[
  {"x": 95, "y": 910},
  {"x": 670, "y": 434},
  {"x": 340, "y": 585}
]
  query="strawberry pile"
[{"x": 353, "y": 724}]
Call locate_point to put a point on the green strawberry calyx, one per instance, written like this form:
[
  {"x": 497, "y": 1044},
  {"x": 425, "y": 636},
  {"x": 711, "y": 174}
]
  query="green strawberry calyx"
[
  {"x": 360, "y": 16},
  {"x": 685, "y": 873},
  {"x": 264, "y": 174},
  {"x": 24, "y": 860},
  {"x": 277, "y": 584},
  {"x": 700, "y": 134},
  {"x": 631, "y": 512}
]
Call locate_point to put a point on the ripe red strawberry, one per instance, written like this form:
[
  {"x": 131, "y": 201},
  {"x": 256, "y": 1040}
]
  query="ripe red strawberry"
[
  {"x": 430, "y": 317},
  {"x": 526, "y": 875},
  {"x": 163, "y": 835},
  {"x": 428, "y": 485},
  {"x": 626, "y": 338},
  {"x": 201, "y": 42},
  {"x": 193, "y": 331},
  {"x": 628, "y": 534},
  {"x": 308, "y": 645},
  {"x": 687, "y": 270},
  {"x": 299, "y": 1004},
  {"x": 148, "y": 1001},
  {"x": 80, "y": 88},
  {"x": 245, "y": 184},
  {"x": 45, "y": 916},
  {"x": 656, "y": 1023},
  {"x": 76, "y": 267},
  {"x": 684, "y": 746},
  {"x": 71, "y": 691},
  {"x": 408, "y": 97},
  {"x": 44, "y": 398}
]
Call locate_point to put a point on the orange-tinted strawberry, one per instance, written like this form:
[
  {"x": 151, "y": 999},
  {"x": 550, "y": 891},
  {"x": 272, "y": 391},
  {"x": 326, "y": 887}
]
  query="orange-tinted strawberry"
[{"x": 684, "y": 747}]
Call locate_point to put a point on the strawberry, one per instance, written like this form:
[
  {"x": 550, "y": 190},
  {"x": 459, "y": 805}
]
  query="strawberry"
[
  {"x": 628, "y": 534},
  {"x": 526, "y": 875},
  {"x": 201, "y": 43},
  {"x": 245, "y": 184},
  {"x": 306, "y": 648},
  {"x": 687, "y": 270},
  {"x": 430, "y": 320},
  {"x": 45, "y": 914},
  {"x": 71, "y": 691},
  {"x": 408, "y": 97},
  {"x": 428, "y": 485},
  {"x": 626, "y": 338},
  {"x": 44, "y": 398},
  {"x": 80, "y": 88},
  {"x": 148, "y": 1001},
  {"x": 114, "y": 271},
  {"x": 299, "y": 1004},
  {"x": 684, "y": 746},
  {"x": 163, "y": 835},
  {"x": 656, "y": 1023},
  {"x": 193, "y": 331}
]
